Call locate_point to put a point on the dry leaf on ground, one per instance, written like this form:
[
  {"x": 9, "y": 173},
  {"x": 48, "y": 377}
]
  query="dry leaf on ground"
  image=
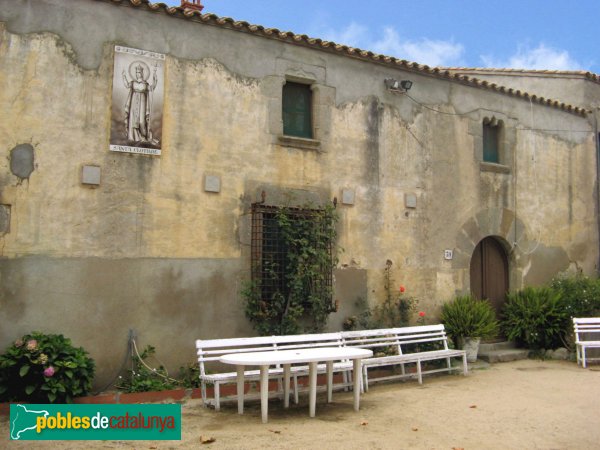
[{"x": 207, "y": 439}]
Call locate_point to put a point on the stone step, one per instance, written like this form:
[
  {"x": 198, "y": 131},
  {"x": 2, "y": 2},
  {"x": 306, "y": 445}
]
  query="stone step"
[
  {"x": 491, "y": 346},
  {"x": 506, "y": 355}
]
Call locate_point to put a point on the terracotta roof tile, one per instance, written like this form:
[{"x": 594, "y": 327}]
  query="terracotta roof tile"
[
  {"x": 302, "y": 39},
  {"x": 581, "y": 73}
]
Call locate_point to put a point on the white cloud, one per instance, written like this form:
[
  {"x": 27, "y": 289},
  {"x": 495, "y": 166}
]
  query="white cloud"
[
  {"x": 354, "y": 35},
  {"x": 422, "y": 51},
  {"x": 541, "y": 57}
]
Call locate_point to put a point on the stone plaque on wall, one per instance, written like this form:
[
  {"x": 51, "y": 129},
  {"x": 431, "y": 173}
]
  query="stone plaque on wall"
[{"x": 137, "y": 101}]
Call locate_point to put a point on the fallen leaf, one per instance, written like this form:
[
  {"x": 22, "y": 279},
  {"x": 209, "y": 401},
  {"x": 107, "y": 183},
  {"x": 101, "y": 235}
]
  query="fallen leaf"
[
  {"x": 207, "y": 439},
  {"x": 415, "y": 429},
  {"x": 275, "y": 431},
  {"x": 458, "y": 448},
  {"x": 473, "y": 406},
  {"x": 364, "y": 422}
]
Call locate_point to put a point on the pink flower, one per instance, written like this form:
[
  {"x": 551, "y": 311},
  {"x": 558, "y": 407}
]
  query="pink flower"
[
  {"x": 32, "y": 344},
  {"x": 19, "y": 343},
  {"x": 402, "y": 288},
  {"x": 49, "y": 371},
  {"x": 421, "y": 313}
]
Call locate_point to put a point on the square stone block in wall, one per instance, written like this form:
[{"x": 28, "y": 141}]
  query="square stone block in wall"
[
  {"x": 348, "y": 196},
  {"x": 212, "y": 183},
  {"x": 410, "y": 200},
  {"x": 90, "y": 175}
]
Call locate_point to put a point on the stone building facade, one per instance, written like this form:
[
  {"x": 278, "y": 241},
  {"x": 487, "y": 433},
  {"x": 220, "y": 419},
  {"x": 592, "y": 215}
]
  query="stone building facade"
[{"x": 95, "y": 243}]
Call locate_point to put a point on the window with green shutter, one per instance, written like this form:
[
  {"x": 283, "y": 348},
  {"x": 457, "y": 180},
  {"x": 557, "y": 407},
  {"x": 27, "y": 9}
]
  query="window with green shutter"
[
  {"x": 297, "y": 107},
  {"x": 491, "y": 137}
]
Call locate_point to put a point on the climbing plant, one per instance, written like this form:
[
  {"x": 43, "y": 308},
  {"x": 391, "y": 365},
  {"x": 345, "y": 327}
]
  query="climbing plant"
[
  {"x": 291, "y": 290},
  {"x": 396, "y": 310}
]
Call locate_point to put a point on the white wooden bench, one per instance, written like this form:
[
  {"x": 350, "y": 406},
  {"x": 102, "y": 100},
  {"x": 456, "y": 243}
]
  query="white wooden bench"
[
  {"x": 401, "y": 346},
  {"x": 402, "y": 342},
  {"x": 210, "y": 350},
  {"x": 587, "y": 335}
]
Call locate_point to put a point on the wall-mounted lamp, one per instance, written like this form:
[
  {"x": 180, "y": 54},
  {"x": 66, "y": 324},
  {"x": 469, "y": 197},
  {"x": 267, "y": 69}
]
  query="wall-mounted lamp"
[{"x": 397, "y": 86}]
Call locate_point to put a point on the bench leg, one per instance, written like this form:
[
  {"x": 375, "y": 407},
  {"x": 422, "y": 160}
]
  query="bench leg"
[
  {"x": 203, "y": 391},
  {"x": 362, "y": 379},
  {"x": 357, "y": 383},
  {"x": 240, "y": 389},
  {"x": 217, "y": 396},
  {"x": 349, "y": 380},
  {"x": 329, "y": 365},
  {"x": 312, "y": 388},
  {"x": 264, "y": 393},
  {"x": 286, "y": 385},
  {"x": 583, "y": 356},
  {"x": 279, "y": 384},
  {"x": 449, "y": 364},
  {"x": 295, "y": 389},
  {"x": 345, "y": 380},
  {"x": 365, "y": 378},
  {"x": 465, "y": 365},
  {"x": 419, "y": 374}
]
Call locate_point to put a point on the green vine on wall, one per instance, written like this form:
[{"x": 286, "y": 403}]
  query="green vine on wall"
[{"x": 303, "y": 300}]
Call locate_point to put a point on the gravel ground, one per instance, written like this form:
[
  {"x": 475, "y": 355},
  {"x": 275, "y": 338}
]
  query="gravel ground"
[{"x": 519, "y": 405}]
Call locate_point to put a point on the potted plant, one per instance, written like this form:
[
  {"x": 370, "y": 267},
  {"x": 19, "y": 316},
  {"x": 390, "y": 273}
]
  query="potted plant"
[{"x": 467, "y": 321}]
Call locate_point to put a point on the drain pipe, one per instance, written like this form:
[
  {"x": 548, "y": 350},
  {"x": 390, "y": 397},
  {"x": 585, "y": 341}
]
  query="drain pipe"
[{"x": 597, "y": 140}]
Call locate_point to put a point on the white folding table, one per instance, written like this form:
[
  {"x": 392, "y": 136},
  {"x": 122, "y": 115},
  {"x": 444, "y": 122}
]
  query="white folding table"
[{"x": 286, "y": 358}]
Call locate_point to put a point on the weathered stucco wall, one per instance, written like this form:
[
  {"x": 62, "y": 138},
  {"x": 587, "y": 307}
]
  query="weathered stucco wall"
[{"x": 150, "y": 250}]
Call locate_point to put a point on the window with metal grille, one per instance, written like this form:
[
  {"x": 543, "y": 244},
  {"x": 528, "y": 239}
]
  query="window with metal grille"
[
  {"x": 491, "y": 142},
  {"x": 297, "y": 110},
  {"x": 275, "y": 254}
]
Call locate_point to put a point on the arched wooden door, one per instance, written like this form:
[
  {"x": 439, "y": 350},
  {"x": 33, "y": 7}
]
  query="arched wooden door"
[{"x": 489, "y": 272}]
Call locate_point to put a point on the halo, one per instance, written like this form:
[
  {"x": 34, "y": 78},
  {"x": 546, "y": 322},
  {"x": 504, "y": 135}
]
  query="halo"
[{"x": 145, "y": 69}]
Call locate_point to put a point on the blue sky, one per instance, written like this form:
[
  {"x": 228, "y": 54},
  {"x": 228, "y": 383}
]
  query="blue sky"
[{"x": 531, "y": 34}]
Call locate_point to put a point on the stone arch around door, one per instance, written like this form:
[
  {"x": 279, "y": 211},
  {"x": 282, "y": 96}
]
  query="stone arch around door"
[{"x": 503, "y": 228}]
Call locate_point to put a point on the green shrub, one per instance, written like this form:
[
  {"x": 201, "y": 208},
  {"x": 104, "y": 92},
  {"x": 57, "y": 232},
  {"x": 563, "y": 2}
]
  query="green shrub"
[
  {"x": 579, "y": 295},
  {"x": 189, "y": 375},
  {"x": 44, "y": 368},
  {"x": 535, "y": 317},
  {"x": 466, "y": 316}
]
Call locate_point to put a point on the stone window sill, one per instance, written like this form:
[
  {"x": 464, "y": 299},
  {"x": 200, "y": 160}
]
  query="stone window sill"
[
  {"x": 493, "y": 167},
  {"x": 298, "y": 142}
]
